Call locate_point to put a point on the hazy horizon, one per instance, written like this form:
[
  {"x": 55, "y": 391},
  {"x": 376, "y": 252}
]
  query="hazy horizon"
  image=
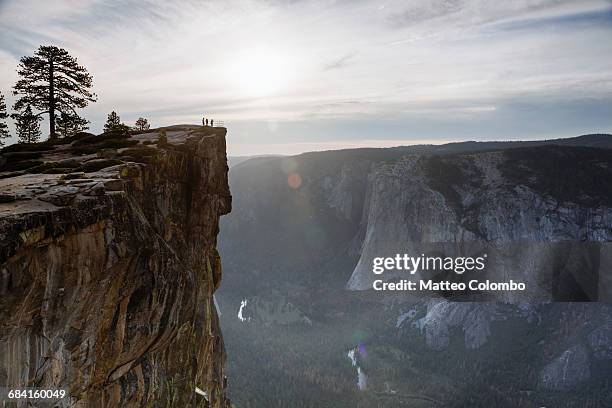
[{"x": 293, "y": 76}]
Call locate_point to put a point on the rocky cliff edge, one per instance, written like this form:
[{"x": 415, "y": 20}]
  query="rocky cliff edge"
[{"x": 108, "y": 265}]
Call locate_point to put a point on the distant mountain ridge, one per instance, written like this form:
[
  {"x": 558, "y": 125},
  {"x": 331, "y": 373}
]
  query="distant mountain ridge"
[
  {"x": 599, "y": 140},
  {"x": 595, "y": 140},
  {"x": 236, "y": 160}
]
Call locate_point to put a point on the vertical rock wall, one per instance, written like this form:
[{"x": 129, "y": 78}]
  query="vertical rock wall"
[{"x": 111, "y": 295}]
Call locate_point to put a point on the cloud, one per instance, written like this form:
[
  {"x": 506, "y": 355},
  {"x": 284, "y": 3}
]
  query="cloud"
[
  {"x": 340, "y": 62},
  {"x": 356, "y": 61}
]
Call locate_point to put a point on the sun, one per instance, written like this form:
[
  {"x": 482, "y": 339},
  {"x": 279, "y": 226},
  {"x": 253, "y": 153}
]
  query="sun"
[{"x": 261, "y": 72}]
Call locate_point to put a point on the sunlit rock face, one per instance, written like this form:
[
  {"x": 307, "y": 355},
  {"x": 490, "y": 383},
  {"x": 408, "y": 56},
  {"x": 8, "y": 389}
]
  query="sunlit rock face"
[
  {"x": 107, "y": 276},
  {"x": 473, "y": 319},
  {"x": 540, "y": 228},
  {"x": 440, "y": 320}
]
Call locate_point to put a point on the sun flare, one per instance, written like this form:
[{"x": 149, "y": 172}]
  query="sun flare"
[{"x": 261, "y": 72}]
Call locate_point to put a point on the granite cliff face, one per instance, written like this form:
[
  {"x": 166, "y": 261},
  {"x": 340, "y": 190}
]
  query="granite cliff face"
[
  {"x": 543, "y": 216},
  {"x": 108, "y": 265}
]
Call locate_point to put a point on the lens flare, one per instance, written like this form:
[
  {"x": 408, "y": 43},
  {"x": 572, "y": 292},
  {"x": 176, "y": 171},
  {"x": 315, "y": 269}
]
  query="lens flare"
[{"x": 294, "y": 180}]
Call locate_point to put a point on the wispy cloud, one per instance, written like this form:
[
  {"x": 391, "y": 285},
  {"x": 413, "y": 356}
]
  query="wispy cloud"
[
  {"x": 340, "y": 62},
  {"x": 456, "y": 66}
]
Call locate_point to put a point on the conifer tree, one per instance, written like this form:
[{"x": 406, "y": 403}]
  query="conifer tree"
[
  {"x": 28, "y": 128},
  {"x": 69, "y": 125},
  {"x": 142, "y": 124},
  {"x": 113, "y": 122},
  {"x": 52, "y": 81}
]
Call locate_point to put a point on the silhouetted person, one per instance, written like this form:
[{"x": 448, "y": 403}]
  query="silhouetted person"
[
  {"x": 206, "y": 122},
  {"x": 212, "y": 122}
]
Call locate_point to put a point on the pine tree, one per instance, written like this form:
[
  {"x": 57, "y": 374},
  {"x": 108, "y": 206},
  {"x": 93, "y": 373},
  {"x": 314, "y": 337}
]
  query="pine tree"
[
  {"x": 142, "y": 124},
  {"x": 69, "y": 125},
  {"x": 52, "y": 81},
  {"x": 4, "y": 133},
  {"x": 28, "y": 128},
  {"x": 113, "y": 123}
]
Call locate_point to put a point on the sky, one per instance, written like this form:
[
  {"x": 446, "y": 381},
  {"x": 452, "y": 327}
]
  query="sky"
[{"x": 292, "y": 76}]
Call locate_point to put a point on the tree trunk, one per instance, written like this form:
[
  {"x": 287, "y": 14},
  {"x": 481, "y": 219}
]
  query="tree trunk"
[{"x": 51, "y": 102}]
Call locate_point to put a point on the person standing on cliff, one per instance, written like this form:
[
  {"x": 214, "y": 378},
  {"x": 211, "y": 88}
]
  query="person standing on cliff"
[
  {"x": 212, "y": 122},
  {"x": 204, "y": 121}
]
